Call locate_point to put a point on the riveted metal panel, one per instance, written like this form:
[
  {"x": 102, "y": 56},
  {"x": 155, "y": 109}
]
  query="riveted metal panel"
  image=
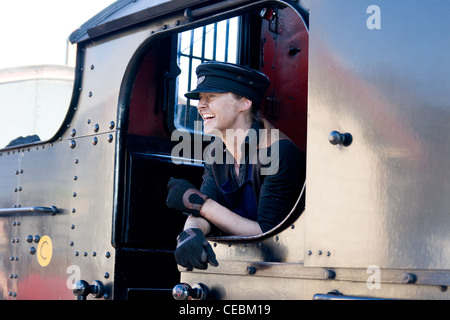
[
  {"x": 9, "y": 177},
  {"x": 380, "y": 73},
  {"x": 79, "y": 182}
]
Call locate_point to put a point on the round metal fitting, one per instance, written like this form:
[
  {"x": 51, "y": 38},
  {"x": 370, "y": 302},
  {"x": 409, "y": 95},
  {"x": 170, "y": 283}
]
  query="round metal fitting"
[
  {"x": 409, "y": 278},
  {"x": 72, "y": 144},
  {"x": 344, "y": 139},
  {"x": 94, "y": 141},
  {"x": 110, "y": 138}
]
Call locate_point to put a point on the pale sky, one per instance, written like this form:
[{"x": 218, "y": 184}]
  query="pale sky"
[{"x": 34, "y": 32}]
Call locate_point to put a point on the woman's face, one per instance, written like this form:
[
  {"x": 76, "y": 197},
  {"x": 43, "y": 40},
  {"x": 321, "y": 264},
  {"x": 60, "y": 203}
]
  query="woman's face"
[{"x": 220, "y": 111}]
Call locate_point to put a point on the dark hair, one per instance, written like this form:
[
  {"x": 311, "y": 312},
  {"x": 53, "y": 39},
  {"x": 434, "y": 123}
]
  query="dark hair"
[{"x": 256, "y": 115}]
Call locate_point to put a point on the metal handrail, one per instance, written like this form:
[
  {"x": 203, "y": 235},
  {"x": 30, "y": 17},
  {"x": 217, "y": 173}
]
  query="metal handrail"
[{"x": 29, "y": 210}]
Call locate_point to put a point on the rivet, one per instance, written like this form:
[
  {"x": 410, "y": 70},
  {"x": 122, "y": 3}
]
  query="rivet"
[
  {"x": 96, "y": 127},
  {"x": 309, "y": 252},
  {"x": 409, "y": 278},
  {"x": 73, "y": 132},
  {"x": 251, "y": 270},
  {"x": 36, "y": 239},
  {"x": 293, "y": 227},
  {"x": 328, "y": 253},
  {"x": 21, "y": 171},
  {"x": 17, "y": 171},
  {"x": 76, "y": 161},
  {"x": 29, "y": 238},
  {"x": 94, "y": 141},
  {"x": 32, "y": 250},
  {"x": 329, "y": 274},
  {"x": 90, "y": 94},
  {"x": 92, "y": 67},
  {"x": 106, "y": 275},
  {"x": 72, "y": 226},
  {"x": 75, "y": 178},
  {"x": 94, "y": 254},
  {"x": 20, "y": 188},
  {"x": 108, "y": 254},
  {"x": 110, "y": 138},
  {"x": 74, "y": 210},
  {"x": 73, "y": 144},
  {"x": 277, "y": 238},
  {"x": 74, "y": 194},
  {"x": 320, "y": 252},
  {"x": 88, "y": 121},
  {"x": 71, "y": 243},
  {"x": 85, "y": 254},
  {"x": 111, "y": 125},
  {"x": 77, "y": 253}
]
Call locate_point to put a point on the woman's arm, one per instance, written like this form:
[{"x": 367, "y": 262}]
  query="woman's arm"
[{"x": 228, "y": 221}]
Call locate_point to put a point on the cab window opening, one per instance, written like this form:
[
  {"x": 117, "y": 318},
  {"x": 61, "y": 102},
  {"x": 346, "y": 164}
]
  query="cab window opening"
[{"x": 153, "y": 118}]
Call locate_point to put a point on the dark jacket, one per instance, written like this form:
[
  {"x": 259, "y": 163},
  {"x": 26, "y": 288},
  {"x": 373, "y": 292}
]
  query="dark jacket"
[{"x": 276, "y": 190}]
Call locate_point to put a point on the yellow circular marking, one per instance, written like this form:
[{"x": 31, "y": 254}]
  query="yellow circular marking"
[{"x": 44, "y": 251}]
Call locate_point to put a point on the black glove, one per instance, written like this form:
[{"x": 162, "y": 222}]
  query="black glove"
[
  {"x": 194, "y": 251},
  {"x": 184, "y": 196}
]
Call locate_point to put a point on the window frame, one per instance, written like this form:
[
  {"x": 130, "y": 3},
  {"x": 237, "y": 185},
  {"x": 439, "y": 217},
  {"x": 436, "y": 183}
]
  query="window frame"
[{"x": 193, "y": 59}]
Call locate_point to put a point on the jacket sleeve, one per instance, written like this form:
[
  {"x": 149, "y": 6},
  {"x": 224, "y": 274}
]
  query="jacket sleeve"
[{"x": 280, "y": 191}]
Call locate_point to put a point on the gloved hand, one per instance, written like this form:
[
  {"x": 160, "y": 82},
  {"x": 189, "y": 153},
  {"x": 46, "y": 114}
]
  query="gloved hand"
[
  {"x": 194, "y": 251},
  {"x": 184, "y": 196}
]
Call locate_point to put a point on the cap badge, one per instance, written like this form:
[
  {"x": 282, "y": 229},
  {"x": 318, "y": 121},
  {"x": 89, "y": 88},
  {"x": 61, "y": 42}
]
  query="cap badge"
[{"x": 201, "y": 79}]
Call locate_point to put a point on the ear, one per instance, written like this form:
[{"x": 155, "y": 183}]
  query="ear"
[{"x": 246, "y": 104}]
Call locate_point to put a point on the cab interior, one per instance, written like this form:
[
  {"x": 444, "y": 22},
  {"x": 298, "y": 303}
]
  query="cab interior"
[{"x": 273, "y": 40}]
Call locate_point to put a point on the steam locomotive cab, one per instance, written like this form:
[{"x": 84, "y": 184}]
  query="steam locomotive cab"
[
  {"x": 272, "y": 39},
  {"x": 83, "y": 212}
]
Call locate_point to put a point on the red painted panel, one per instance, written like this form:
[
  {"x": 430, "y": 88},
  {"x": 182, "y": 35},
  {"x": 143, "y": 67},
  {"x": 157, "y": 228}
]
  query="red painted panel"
[{"x": 285, "y": 61}]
